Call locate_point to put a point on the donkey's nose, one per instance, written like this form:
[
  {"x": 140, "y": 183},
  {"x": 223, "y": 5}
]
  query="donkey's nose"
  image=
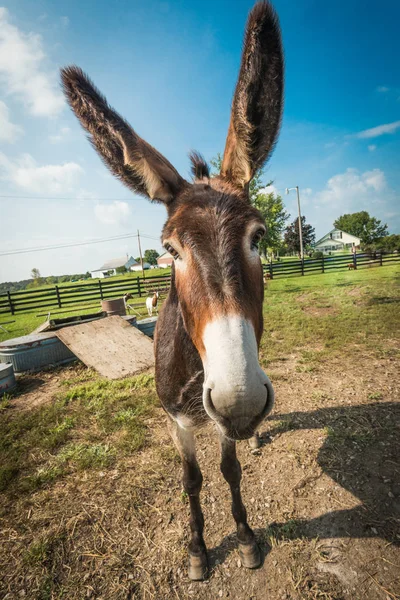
[{"x": 239, "y": 409}]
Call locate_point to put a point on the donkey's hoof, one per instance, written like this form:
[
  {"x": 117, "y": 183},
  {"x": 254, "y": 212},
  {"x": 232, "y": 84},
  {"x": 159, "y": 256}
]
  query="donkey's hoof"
[
  {"x": 250, "y": 555},
  {"x": 198, "y": 567},
  {"x": 255, "y": 442}
]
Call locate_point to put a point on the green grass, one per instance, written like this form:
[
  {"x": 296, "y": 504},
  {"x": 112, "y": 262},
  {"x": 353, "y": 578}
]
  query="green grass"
[
  {"x": 87, "y": 426},
  {"x": 320, "y": 315}
]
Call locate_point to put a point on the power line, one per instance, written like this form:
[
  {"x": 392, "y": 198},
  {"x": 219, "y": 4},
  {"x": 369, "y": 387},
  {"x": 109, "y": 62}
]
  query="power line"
[
  {"x": 65, "y": 198},
  {"x": 73, "y": 244}
]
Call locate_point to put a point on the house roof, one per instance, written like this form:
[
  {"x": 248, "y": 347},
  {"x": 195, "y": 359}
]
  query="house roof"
[
  {"x": 114, "y": 263},
  {"x": 165, "y": 255},
  {"x": 326, "y": 236}
]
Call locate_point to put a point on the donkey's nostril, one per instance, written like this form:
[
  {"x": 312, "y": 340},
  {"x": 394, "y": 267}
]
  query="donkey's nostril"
[
  {"x": 270, "y": 399},
  {"x": 212, "y": 411}
]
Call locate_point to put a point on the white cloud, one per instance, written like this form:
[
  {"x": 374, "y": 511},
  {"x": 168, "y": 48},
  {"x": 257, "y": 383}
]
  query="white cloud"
[
  {"x": 112, "y": 214},
  {"x": 379, "y": 130},
  {"x": 382, "y": 89},
  {"x": 25, "y": 174},
  {"x": 60, "y": 136},
  {"x": 371, "y": 147},
  {"x": 8, "y": 131},
  {"x": 344, "y": 188},
  {"x": 353, "y": 191},
  {"x": 22, "y": 72},
  {"x": 270, "y": 189},
  {"x": 64, "y": 21}
]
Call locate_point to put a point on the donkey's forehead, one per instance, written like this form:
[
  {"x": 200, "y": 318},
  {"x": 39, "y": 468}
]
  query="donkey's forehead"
[{"x": 211, "y": 205}]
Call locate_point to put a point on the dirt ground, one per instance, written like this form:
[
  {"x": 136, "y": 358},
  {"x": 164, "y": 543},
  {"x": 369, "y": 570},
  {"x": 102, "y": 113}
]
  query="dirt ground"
[{"x": 323, "y": 496}]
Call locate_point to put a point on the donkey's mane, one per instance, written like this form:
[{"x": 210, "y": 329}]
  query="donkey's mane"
[{"x": 200, "y": 169}]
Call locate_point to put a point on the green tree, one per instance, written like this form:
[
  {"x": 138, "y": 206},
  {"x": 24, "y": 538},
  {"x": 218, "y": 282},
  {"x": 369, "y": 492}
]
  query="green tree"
[
  {"x": 270, "y": 206},
  {"x": 273, "y": 211},
  {"x": 362, "y": 225},
  {"x": 389, "y": 243},
  {"x": 151, "y": 256},
  {"x": 37, "y": 280},
  {"x": 121, "y": 269},
  {"x": 292, "y": 235}
]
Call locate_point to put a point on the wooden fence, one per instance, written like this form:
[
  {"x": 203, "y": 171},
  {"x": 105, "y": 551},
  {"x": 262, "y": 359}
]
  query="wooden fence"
[
  {"x": 328, "y": 263},
  {"x": 64, "y": 296}
]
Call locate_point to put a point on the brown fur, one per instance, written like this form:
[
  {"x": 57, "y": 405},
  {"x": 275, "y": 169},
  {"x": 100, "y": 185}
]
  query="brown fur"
[{"x": 212, "y": 224}]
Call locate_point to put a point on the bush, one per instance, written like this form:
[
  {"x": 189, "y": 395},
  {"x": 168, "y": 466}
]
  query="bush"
[{"x": 317, "y": 254}]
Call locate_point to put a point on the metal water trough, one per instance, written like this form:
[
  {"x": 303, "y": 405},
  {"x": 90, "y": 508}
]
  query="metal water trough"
[
  {"x": 35, "y": 351},
  {"x": 147, "y": 326},
  {"x": 7, "y": 379}
]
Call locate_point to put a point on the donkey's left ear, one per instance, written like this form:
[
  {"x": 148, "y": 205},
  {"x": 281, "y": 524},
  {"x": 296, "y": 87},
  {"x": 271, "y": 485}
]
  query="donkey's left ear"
[
  {"x": 258, "y": 99},
  {"x": 140, "y": 166}
]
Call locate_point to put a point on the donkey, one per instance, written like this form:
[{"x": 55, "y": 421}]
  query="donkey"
[
  {"x": 209, "y": 329},
  {"x": 151, "y": 303}
]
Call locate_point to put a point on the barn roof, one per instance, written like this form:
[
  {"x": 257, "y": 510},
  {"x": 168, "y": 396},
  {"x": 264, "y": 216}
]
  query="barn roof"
[{"x": 114, "y": 263}]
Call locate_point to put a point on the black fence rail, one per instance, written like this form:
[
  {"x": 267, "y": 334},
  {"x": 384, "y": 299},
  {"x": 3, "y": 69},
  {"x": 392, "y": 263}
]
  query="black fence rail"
[
  {"x": 65, "y": 296},
  {"x": 328, "y": 263}
]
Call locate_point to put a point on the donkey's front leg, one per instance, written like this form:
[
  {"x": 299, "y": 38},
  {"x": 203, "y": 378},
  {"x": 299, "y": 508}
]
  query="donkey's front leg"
[
  {"x": 231, "y": 470},
  {"x": 192, "y": 482}
]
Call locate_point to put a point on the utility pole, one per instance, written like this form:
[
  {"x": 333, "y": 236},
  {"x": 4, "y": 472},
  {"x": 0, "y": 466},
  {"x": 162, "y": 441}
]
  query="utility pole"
[
  {"x": 140, "y": 252},
  {"x": 300, "y": 227}
]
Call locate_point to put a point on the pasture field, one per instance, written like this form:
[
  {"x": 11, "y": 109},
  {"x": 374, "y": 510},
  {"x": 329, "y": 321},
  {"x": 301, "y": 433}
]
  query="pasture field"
[{"x": 91, "y": 504}]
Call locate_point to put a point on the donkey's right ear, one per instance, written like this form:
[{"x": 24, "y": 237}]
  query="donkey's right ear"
[
  {"x": 137, "y": 164},
  {"x": 258, "y": 99}
]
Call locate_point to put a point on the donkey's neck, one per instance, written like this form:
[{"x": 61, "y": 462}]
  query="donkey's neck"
[{"x": 179, "y": 369}]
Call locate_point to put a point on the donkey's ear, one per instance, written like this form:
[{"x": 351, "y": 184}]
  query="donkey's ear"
[
  {"x": 128, "y": 156},
  {"x": 258, "y": 99}
]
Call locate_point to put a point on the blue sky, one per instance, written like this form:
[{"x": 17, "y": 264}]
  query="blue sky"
[{"x": 170, "y": 69}]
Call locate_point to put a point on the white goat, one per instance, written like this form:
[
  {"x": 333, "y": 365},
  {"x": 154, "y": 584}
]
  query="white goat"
[{"x": 151, "y": 303}]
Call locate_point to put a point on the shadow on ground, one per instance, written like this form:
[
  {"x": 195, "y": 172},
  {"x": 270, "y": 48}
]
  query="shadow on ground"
[
  {"x": 361, "y": 454},
  {"x": 384, "y": 300}
]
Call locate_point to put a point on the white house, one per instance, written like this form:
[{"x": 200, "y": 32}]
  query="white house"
[
  {"x": 165, "y": 260},
  {"x": 110, "y": 267},
  {"x": 337, "y": 240},
  {"x": 138, "y": 267}
]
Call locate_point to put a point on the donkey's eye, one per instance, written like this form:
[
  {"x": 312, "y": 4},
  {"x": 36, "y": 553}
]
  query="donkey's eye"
[
  {"x": 257, "y": 237},
  {"x": 172, "y": 251}
]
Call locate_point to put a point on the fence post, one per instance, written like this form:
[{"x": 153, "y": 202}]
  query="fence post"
[
  {"x": 101, "y": 290},
  {"x": 271, "y": 271},
  {"x": 58, "y": 296},
  {"x": 138, "y": 287},
  {"x": 355, "y": 260},
  {"x": 381, "y": 259},
  {"x": 302, "y": 266},
  {"x": 10, "y": 302},
  {"x": 323, "y": 264}
]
